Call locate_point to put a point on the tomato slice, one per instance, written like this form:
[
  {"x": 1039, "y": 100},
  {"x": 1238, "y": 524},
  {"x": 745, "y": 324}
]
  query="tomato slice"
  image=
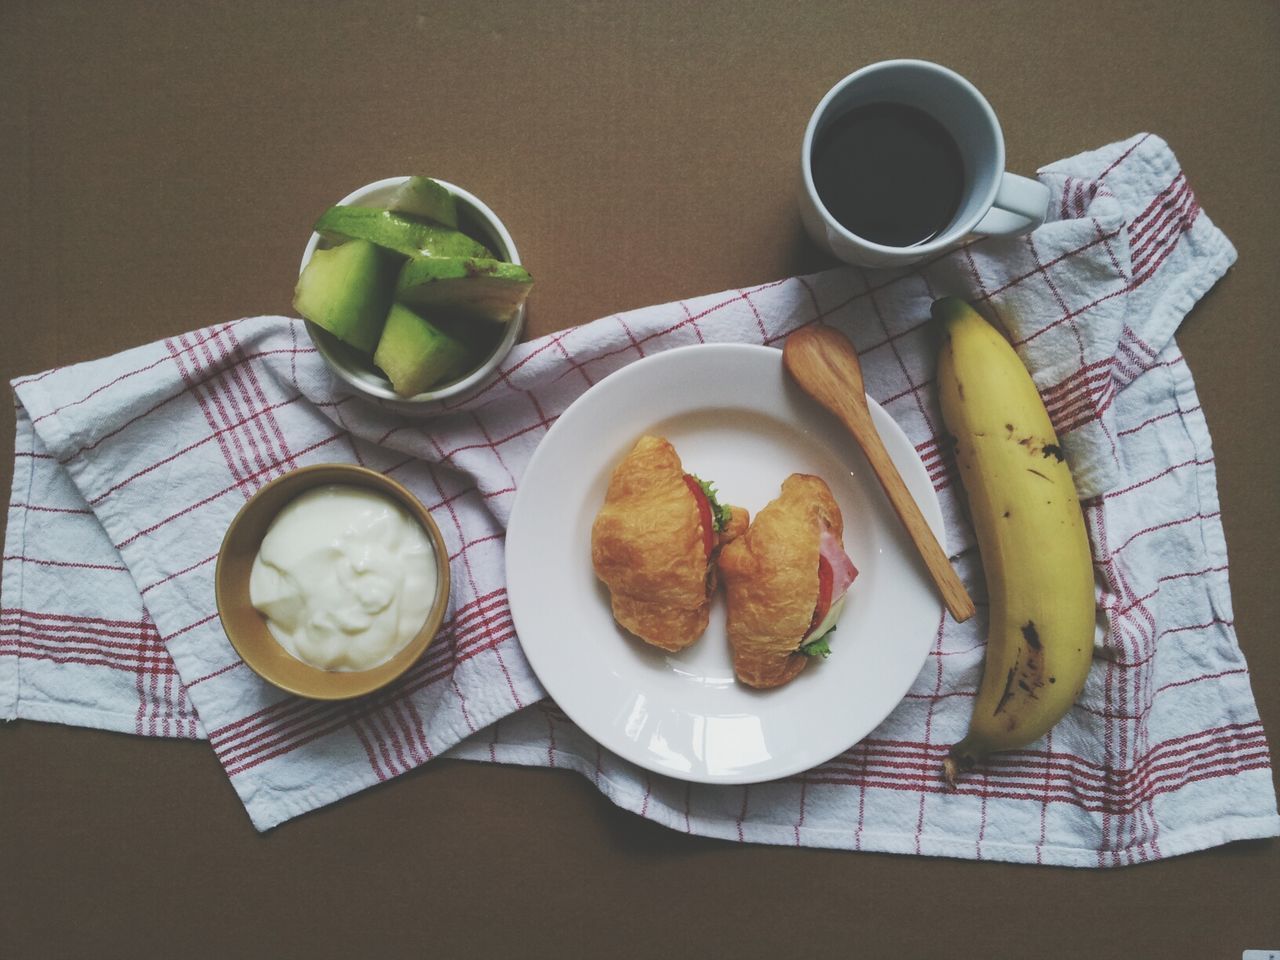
[
  {"x": 826, "y": 582},
  {"x": 704, "y": 513}
]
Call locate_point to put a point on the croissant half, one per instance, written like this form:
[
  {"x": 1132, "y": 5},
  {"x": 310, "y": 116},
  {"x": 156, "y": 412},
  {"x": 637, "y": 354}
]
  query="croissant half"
[
  {"x": 654, "y": 542},
  {"x": 784, "y": 579}
]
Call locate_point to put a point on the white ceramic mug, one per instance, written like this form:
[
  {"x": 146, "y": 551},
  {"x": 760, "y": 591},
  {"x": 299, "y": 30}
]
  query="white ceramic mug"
[{"x": 993, "y": 202}]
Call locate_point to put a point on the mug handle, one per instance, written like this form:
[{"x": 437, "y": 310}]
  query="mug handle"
[{"x": 1020, "y": 206}]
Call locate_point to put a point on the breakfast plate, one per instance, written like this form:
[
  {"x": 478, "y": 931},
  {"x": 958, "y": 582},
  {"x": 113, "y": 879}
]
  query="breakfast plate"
[{"x": 737, "y": 420}]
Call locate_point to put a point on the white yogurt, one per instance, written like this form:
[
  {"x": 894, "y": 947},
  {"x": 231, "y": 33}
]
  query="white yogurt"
[{"x": 345, "y": 577}]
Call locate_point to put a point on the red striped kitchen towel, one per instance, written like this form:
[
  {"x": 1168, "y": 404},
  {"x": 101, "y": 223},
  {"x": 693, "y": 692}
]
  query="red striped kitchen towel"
[{"x": 128, "y": 470}]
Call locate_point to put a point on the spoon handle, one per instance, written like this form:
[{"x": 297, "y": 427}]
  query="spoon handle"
[{"x": 904, "y": 505}]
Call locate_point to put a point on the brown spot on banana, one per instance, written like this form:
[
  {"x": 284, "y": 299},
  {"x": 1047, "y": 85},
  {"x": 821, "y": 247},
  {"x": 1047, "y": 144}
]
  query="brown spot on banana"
[
  {"x": 1007, "y": 694},
  {"x": 1031, "y": 635},
  {"x": 1027, "y": 674},
  {"x": 1038, "y": 474},
  {"x": 1053, "y": 450}
]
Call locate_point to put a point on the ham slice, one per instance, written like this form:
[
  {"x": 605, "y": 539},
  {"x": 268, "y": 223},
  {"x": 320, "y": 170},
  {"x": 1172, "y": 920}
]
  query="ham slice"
[
  {"x": 843, "y": 571},
  {"x": 833, "y": 565}
]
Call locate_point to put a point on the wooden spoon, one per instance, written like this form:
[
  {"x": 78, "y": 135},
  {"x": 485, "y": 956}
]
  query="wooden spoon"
[{"x": 823, "y": 362}]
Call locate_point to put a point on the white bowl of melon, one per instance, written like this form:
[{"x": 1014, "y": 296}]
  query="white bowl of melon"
[{"x": 412, "y": 290}]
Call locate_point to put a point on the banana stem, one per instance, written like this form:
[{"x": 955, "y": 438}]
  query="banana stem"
[{"x": 960, "y": 760}]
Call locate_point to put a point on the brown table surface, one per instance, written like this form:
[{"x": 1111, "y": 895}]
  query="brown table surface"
[{"x": 162, "y": 163}]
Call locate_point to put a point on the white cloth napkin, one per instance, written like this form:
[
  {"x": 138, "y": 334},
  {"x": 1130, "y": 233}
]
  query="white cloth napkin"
[{"x": 128, "y": 470}]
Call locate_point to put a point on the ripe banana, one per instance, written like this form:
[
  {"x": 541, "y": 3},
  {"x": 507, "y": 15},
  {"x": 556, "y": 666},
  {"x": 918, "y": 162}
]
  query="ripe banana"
[{"x": 1031, "y": 536}]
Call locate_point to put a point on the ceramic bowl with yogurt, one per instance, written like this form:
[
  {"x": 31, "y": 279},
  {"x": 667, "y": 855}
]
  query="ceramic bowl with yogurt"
[
  {"x": 474, "y": 219},
  {"x": 313, "y": 596}
]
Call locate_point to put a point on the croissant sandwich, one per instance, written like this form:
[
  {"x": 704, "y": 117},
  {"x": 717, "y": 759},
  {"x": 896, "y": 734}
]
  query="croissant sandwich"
[
  {"x": 654, "y": 543},
  {"x": 785, "y": 580}
]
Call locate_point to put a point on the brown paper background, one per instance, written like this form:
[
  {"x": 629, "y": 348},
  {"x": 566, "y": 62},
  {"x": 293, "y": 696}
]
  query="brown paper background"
[{"x": 161, "y": 164}]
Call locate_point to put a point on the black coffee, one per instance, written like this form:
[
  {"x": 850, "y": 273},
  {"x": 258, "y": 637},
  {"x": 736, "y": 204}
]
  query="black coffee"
[{"x": 889, "y": 173}]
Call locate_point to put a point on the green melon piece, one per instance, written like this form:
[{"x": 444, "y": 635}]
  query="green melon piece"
[
  {"x": 481, "y": 338},
  {"x": 347, "y": 290},
  {"x": 464, "y": 286},
  {"x": 416, "y": 355},
  {"x": 423, "y": 197},
  {"x": 397, "y": 232}
]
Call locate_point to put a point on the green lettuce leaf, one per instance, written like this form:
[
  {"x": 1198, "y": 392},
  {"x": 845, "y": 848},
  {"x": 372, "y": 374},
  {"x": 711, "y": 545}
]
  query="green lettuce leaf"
[
  {"x": 818, "y": 647},
  {"x": 719, "y": 515}
]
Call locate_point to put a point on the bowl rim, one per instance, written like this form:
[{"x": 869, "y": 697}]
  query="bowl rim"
[
  {"x": 421, "y": 641},
  {"x": 515, "y": 327}
]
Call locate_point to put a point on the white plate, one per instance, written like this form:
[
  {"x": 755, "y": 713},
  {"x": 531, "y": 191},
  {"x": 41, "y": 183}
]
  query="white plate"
[{"x": 737, "y": 420}]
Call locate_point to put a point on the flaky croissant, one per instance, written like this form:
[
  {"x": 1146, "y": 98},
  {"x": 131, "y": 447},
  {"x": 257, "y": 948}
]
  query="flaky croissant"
[
  {"x": 653, "y": 544},
  {"x": 779, "y": 593}
]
